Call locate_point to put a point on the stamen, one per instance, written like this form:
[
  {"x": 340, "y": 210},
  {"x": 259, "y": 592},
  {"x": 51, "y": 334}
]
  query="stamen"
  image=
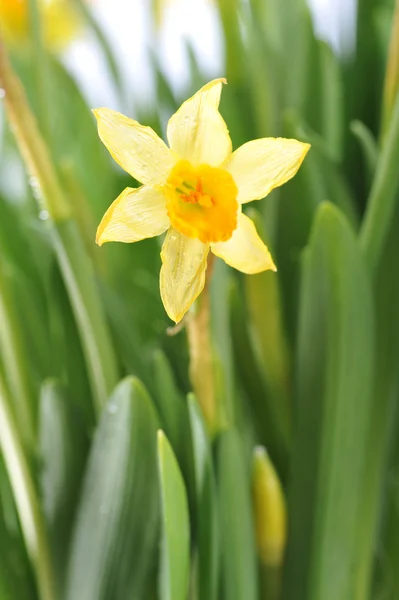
[
  {"x": 187, "y": 185},
  {"x": 202, "y": 202}
]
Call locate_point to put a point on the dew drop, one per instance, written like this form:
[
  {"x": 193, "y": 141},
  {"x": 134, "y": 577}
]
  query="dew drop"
[
  {"x": 33, "y": 182},
  {"x": 43, "y": 215}
]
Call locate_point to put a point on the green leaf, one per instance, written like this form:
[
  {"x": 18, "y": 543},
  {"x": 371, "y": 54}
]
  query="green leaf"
[
  {"x": 377, "y": 488},
  {"x": 239, "y": 565},
  {"x": 67, "y": 358},
  {"x": 175, "y": 549},
  {"x": 332, "y": 100},
  {"x": 115, "y": 536},
  {"x": 62, "y": 457},
  {"x": 269, "y": 341},
  {"x": 26, "y": 501},
  {"x": 78, "y": 275},
  {"x": 15, "y": 363},
  {"x": 169, "y": 400},
  {"x": 253, "y": 383},
  {"x": 381, "y": 203},
  {"x": 15, "y": 573},
  {"x": 224, "y": 374},
  {"x": 368, "y": 146},
  {"x": 173, "y": 413},
  {"x": 334, "y": 379},
  {"x": 319, "y": 179},
  {"x": 207, "y": 524}
]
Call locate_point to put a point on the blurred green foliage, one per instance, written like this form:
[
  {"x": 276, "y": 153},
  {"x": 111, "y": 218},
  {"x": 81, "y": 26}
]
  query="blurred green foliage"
[{"x": 94, "y": 503}]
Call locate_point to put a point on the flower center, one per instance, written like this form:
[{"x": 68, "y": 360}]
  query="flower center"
[{"x": 202, "y": 202}]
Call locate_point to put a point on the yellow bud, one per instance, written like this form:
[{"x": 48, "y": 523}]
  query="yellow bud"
[{"x": 269, "y": 510}]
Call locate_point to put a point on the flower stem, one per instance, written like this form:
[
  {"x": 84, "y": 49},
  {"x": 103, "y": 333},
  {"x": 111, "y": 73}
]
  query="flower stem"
[
  {"x": 202, "y": 373},
  {"x": 41, "y": 67},
  {"x": 391, "y": 85},
  {"x": 31, "y": 518}
]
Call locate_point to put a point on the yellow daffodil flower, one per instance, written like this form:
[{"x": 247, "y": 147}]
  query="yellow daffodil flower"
[
  {"x": 194, "y": 190},
  {"x": 60, "y": 21}
]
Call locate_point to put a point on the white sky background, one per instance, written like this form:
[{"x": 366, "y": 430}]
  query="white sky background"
[{"x": 127, "y": 25}]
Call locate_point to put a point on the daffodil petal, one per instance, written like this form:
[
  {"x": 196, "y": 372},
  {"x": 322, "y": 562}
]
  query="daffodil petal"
[
  {"x": 260, "y": 166},
  {"x": 183, "y": 272},
  {"x": 197, "y": 131},
  {"x": 135, "y": 215},
  {"x": 136, "y": 148},
  {"x": 245, "y": 250}
]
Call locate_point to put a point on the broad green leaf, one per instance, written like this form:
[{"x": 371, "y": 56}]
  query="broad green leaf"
[
  {"x": 207, "y": 523},
  {"x": 78, "y": 275},
  {"x": 16, "y": 579},
  {"x": 73, "y": 260},
  {"x": 270, "y": 345},
  {"x": 298, "y": 201},
  {"x": 175, "y": 548},
  {"x": 319, "y": 179},
  {"x": 324, "y": 161},
  {"x": 27, "y": 502},
  {"x": 173, "y": 414},
  {"x": 301, "y": 85},
  {"x": 238, "y": 558},
  {"x": 379, "y": 489},
  {"x": 364, "y": 93},
  {"x": 67, "y": 358},
  {"x": 254, "y": 390},
  {"x": 368, "y": 146},
  {"x": 115, "y": 535},
  {"x": 62, "y": 455},
  {"x": 382, "y": 200},
  {"x": 332, "y": 100},
  {"x": 220, "y": 333},
  {"x": 169, "y": 401},
  {"x": 262, "y": 72},
  {"x": 15, "y": 363},
  {"x": 236, "y": 105},
  {"x": 386, "y": 575},
  {"x": 334, "y": 379}
]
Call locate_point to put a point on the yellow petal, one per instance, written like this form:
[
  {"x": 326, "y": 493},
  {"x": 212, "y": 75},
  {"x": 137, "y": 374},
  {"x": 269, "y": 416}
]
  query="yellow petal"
[
  {"x": 135, "y": 215},
  {"x": 261, "y": 165},
  {"x": 182, "y": 273},
  {"x": 137, "y": 149},
  {"x": 197, "y": 131},
  {"x": 245, "y": 250}
]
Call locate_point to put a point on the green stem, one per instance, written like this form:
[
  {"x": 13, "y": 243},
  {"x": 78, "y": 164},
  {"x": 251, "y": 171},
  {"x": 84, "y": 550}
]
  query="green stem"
[
  {"x": 381, "y": 203},
  {"x": 73, "y": 261},
  {"x": 15, "y": 365},
  {"x": 391, "y": 85},
  {"x": 31, "y": 518},
  {"x": 39, "y": 60},
  {"x": 202, "y": 368}
]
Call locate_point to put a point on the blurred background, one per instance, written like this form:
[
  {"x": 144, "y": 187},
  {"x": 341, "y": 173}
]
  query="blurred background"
[{"x": 251, "y": 453}]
